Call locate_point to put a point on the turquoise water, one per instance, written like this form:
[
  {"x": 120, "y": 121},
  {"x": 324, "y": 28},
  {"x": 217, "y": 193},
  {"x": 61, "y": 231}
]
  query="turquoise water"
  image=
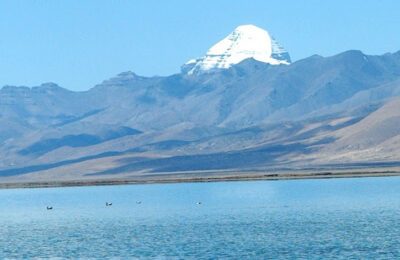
[{"x": 302, "y": 219}]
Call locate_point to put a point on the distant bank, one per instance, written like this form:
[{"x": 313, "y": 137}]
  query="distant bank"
[{"x": 218, "y": 177}]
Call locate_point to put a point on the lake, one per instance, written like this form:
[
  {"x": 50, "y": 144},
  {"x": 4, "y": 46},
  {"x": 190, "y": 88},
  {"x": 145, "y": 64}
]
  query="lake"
[{"x": 354, "y": 218}]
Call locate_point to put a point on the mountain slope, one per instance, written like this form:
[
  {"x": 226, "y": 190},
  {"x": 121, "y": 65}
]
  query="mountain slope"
[
  {"x": 376, "y": 138},
  {"x": 248, "y": 113},
  {"x": 191, "y": 107}
]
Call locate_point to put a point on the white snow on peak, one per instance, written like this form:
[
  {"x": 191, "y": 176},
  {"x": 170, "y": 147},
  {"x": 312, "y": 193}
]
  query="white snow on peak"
[{"x": 246, "y": 41}]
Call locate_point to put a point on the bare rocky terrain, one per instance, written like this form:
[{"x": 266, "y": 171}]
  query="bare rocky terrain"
[{"x": 317, "y": 113}]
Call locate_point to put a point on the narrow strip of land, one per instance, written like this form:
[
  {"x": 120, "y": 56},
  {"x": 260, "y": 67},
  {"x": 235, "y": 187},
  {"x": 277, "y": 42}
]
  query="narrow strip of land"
[{"x": 181, "y": 178}]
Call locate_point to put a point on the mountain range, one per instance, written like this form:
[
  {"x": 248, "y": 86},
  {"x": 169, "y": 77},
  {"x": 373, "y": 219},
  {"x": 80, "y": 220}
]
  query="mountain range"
[{"x": 242, "y": 107}]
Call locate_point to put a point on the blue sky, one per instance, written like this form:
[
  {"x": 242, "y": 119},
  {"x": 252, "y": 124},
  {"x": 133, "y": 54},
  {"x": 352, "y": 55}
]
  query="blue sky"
[{"x": 78, "y": 44}]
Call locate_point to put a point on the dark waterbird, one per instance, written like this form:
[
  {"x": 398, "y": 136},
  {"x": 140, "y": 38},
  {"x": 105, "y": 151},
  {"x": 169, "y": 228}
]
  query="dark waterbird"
[
  {"x": 108, "y": 204},
  {"x": 49, "y": 207}
]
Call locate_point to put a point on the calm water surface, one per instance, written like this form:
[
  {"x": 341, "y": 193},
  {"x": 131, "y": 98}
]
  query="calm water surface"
[{"x": 302, "y": 219}]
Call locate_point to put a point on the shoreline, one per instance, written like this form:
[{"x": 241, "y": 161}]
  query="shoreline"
[{"x": 217, "y": 178}]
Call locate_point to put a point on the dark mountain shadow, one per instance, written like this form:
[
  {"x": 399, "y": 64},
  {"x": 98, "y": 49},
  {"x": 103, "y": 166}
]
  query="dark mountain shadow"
[
  {"x": 216, "y": 161},
  {"x": 81, "y": 140}
]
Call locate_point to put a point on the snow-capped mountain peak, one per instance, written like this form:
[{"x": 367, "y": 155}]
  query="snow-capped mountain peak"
[{"x": 246, "y": 41}]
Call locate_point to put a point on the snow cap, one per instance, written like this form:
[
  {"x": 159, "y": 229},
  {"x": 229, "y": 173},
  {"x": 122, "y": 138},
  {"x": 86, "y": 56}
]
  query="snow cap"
[{"x": 246, "y": 41}]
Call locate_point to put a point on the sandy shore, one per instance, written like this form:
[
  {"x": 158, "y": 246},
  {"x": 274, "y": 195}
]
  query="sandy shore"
[{"x": 181, "y": 178}]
